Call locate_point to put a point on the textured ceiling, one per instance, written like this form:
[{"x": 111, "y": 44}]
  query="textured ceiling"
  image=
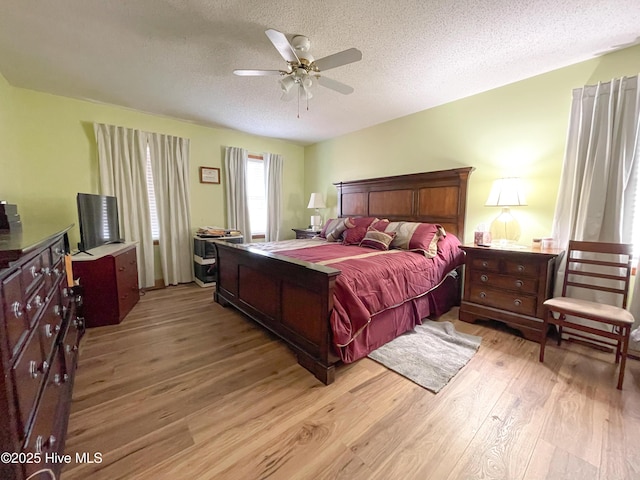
[{"x": 176, "y": 57}]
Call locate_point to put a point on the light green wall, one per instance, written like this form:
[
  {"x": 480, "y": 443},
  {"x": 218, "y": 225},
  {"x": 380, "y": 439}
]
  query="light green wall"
[
  {"x": 516, "y": 130},
  {"x": 9, "y": 166},
  {"x": 55, "y": 157}
]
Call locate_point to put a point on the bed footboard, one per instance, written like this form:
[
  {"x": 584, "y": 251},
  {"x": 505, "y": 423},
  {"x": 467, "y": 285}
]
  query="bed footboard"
[{"x": 291, "y": 298}]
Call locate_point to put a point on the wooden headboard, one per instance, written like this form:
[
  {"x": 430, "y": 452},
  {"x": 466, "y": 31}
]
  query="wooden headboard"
[{"x": 432, "y": 197}]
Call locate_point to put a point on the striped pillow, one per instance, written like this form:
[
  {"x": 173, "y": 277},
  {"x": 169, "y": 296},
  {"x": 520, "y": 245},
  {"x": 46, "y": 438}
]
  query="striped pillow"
[
  {"x": 377, "y": 239},
  {"x": 423, "y": 237},
  {"x": 335, "y": 234}
]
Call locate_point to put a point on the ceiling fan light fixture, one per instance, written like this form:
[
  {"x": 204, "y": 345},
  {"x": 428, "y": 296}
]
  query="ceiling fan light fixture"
[{"x": 286, "y": 84}]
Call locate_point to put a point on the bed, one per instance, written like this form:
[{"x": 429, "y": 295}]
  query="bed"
[{"x": 295, "y": 291}]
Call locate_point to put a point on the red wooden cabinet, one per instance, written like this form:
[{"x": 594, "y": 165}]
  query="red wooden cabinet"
[{"x": 109, "y": 278}]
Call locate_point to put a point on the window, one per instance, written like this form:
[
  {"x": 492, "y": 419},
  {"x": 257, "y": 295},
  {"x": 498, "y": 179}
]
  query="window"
[
  {"x": 153, "y": 212},
  {"x": 256, "y": 195}
]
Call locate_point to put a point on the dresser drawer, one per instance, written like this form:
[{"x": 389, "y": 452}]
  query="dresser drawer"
[
  {"x": 16, "y": 321},
  {"x": 35, "y": 304},
  {"x": 522, "y": 304},
  {"x": 495, "y": 280},
  {"x": 50, "y": 324},
  {"x": 58, "y": 250},
  {"x": 27, "y": 377},
  {"x": 43, "y": 436},
  {"x": 33, "y": 272}
]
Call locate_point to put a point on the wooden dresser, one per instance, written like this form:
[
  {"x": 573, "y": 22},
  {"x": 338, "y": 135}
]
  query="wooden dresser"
[
  {"x": 39, "y": 338},
  {"x": 109, "y": 279},
  {"x": 509, "y": 285}
]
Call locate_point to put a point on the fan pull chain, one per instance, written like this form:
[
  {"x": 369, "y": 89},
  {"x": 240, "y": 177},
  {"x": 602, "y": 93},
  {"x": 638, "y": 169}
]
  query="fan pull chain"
[{"x": 299, "y": 88}]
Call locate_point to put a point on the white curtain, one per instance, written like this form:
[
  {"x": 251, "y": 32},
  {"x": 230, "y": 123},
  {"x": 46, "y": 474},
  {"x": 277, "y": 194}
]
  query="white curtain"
[
  {"x": 170, "y": 167},
  {"x": 273, "y": 169},
  {"x": 599, "y": 176},
  {"x": 597, "y": 187},
  {"x": 122, "y": 163},
  {"x": 235, "y": 162}
]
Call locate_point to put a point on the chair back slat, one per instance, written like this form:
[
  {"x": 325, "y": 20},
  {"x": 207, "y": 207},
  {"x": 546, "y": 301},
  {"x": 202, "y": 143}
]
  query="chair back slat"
[
  {"x": 591, "y": 266},
  {"x": 618, "y": 278}
]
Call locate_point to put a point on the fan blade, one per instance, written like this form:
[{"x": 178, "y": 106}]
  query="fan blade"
[
  {"x": 257, "y": 73},
  {"x": 335, "y": 85},
  {"x": 338, "y": 59},
  {"x": 282, "y": 45}
]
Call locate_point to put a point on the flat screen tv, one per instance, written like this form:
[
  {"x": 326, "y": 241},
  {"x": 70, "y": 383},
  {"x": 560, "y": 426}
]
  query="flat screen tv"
[{"x": 98, "y": 219}]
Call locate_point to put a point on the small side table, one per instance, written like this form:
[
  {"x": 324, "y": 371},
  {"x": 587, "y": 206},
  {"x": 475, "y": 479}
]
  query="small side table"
[
  {"x": 509, "y": 285},
  {"x": 306, "y": 232}
]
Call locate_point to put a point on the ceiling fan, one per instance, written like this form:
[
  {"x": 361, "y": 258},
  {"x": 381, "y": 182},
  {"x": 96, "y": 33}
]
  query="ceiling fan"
[{"x": 302, "y": 69}]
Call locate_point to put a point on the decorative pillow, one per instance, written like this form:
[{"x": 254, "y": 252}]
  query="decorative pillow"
[
  {"x": 354, "y": 235},
  {"x": 328, "y": 226},
  {"x": 377, "y": 239},
  {"x": 380, "y": 224},
  {"x": 336, "y": 232},
  {"x": 416, "y": 236}
]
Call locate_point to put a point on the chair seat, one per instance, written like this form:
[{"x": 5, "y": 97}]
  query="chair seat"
[{"x": 593, "y": 310}]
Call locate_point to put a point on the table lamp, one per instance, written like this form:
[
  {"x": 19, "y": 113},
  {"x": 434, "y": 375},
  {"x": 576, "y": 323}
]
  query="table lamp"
[
  {"x": 316, "y": 201},
  {"x": 505, "y": 193}
]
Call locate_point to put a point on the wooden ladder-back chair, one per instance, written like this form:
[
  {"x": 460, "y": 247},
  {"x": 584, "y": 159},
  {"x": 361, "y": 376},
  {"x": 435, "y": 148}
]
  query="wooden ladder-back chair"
[{"x": 595, "y": 266}]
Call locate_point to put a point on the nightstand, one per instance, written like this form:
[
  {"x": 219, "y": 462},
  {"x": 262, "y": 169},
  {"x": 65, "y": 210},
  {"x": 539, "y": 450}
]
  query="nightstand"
[
  {"x": 509, "y": 285},
  {"x": 306, "y": 233}
]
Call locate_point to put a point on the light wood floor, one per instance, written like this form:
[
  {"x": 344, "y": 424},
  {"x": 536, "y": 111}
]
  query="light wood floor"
[{"x": 185, "y": 389}]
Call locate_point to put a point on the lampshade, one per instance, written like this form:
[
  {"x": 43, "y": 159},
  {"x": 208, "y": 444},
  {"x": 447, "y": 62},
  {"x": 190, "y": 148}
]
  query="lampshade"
[
  {"x": 506, "y": 192},
  {"x": 316, "y": 201}
]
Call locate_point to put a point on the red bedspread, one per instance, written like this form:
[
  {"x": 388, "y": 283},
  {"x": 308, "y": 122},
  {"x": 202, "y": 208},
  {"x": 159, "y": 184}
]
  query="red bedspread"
[{"x": 373, "y": 282}]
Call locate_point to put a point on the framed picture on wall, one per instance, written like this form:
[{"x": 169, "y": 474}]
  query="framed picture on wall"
[{"x": 209, "y": 175}]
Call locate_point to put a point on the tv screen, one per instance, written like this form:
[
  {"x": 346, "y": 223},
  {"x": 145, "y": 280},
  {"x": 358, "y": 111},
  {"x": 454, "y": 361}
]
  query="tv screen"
[{"x": 98, "y": 219}]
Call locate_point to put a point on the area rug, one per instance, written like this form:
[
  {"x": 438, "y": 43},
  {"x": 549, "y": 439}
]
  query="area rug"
[{"x": 430, "y": 355}]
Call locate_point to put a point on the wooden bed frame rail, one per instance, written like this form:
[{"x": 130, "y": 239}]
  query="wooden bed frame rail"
[{"x": 292, "y": 298}]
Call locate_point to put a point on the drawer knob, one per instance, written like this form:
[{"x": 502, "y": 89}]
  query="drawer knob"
[
  {"x": 121, "y": 269},
  {"x": 47, "y": 331},
  {"x": 57, "y": 272},
  {"x": 16, "y": 308},
  {"x": 33, "y": 369},
  {"x": 65, "y": 292},
  {"x": 485, "y": 264},
  {"x": 57, "y": 310},
  {"x": 60, "y": 379},
  {"x": 38, "y": 301},
  {"x": 519, "y": 283},
  {"x": 39, "y": 444},
  {"x": 58, "y": 251},
  {"x": 521, "y": 268},
  {"x": 517, "y": 302},
  {"x": 483, "y": 295},
  {"x": 71, "y": 348},
  {"x": 484, "y": 278},
  {"x": 34, "y": 272},
  {"x": 46, "y": 271}
]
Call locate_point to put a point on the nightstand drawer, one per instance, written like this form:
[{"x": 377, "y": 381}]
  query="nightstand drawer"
[
  {"x": 522, "y": 304},
  {"x": 486, "y": 264},
  {"x": 495, "y": 280},
  {"x": 530, "y": 269}
]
